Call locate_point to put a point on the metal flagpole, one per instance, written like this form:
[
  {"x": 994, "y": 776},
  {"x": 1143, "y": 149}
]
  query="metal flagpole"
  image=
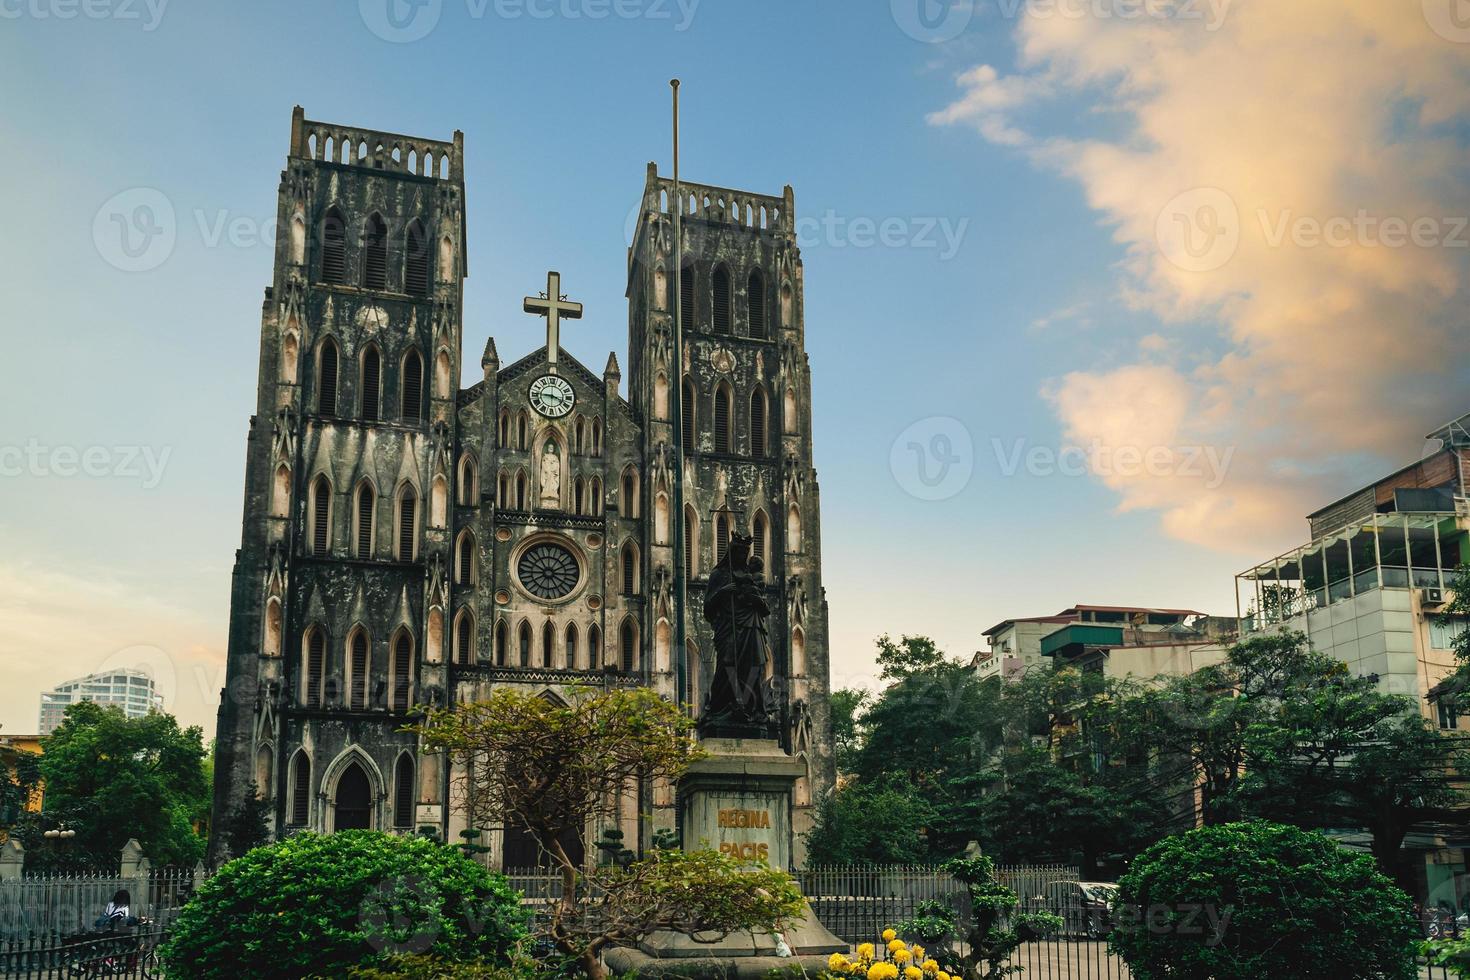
[{"x": 681, "y": 584}]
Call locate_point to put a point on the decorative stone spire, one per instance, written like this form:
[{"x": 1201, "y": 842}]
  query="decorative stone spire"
[
  {"x": 612, "y": 371},
  {"x": 491, "y": 358}
]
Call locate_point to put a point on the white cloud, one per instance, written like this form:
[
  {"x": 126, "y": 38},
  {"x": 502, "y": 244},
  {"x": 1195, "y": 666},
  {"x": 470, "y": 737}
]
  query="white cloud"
[{"x": 1341, "y": 116}]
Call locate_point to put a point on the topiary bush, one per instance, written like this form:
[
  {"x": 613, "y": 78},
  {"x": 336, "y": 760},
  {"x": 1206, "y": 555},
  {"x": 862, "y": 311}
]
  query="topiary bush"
[
  {"x": 1248, "y": 900},
  {"x": 318, "y": 905}
]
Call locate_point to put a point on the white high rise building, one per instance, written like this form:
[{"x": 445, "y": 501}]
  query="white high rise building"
[{"x": 128, "y": 688}]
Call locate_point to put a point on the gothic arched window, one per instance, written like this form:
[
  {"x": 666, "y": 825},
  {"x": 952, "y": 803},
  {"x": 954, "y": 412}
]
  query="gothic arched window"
[
  {"x": 334, "y": 247},
  {"x": 686, "y": 412},
  {"x": 502, "y": 644},
  {"x": 372, "y": 375},
  {"x": 464, "y": 566},
  {"x": 723, "y": 433},
  {"x": 300, "y": 788},
  {"x": 630, "y": 569},
  {"x": 402, "y": 677},
  {"x": 760, "y": 530},
  {"x": 326, "y": 378},
  {"x": 597, "y": 437},
  {"x": 468, "y": 480},
  {"x": 313, "y": 667},
  {"x": 403, "y": 794},
  {"x": 759, "y": 409},
  {"x": 691, "y": 542},
  {"x": 375, "y": 253},
  {"x": 572, "y": 662},
  {"x": 722, "y": 535},
  {"x": 594, "y": 499},
  {"x": 720, "y": 300},
  {"x": 464, "y": 637},
  {"x": 413, "y": 387},
  {"x": 594, "y": 647},
  {"x": 365, "y": 499},
  {"x": 755, "y": 290},
  {"x": 408, "y": 509},
  {"x": 357, "y": 670},
  {"x": 321, "y": 516},
  {"x": 629, "y": 504},
  {"x": 548, "y": 645},
  {"x": 687, "y": 279},
  {"x": 628, "y": 646},
  {"x": 524, "y": 642},
  {"x": 416, "y": 260}
]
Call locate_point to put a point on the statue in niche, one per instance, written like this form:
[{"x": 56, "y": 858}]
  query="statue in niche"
[
  {"x": 550, "y": 477},
  {"x": 740, "y": 700}
]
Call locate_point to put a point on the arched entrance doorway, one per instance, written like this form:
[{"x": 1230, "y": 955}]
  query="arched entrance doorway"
[{"x": 354, "y": 803}]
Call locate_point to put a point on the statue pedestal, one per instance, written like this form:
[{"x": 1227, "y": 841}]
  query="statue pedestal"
[{"x": 737, "y": 800}]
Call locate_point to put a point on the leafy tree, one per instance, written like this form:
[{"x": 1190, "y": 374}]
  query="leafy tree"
[
  {"x": 317, "y": 905},
  {"x": 870, "y": 824},
  {"x": 1246, "y": 900},
  {"x": 909, "y": 655},
  {"x": 111, "y": 778},
  {"x": 18, "y": 788},
  {"x": 247, "y": 826},
  {"x": 846, "y": 705},
  {"x": 557, "y": 769}
]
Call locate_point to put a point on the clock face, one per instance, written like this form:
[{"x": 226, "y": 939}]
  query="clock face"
[{"x": 552, "y": 396}]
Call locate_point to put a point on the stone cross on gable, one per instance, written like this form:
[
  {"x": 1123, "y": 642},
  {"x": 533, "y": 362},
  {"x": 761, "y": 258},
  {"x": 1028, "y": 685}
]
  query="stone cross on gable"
[{"x": 553, "y": 305}]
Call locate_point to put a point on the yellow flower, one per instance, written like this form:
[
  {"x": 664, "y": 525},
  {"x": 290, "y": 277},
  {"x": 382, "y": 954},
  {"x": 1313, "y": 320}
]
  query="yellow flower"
[
  {"x": 883, "y": 971},
  {"x": 941, "y": 975},
  {"x": 894, "y": 945},
  {"x": 931, "y": 966},
  {"x": 902, "y": 956},
  {"x": 837, "y": 962},
  {"x": 918, "y": 953},
  {"x": 865, "y": 951},
  {"x": 889, "y": 935}
]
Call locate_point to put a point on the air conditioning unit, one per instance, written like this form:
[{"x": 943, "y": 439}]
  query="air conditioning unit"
[{"x": 1431, "y": 597}]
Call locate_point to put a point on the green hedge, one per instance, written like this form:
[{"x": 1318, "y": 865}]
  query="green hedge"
[
  {"x": 315, "y": 905},
  {"x": 1249, "y": 900}
]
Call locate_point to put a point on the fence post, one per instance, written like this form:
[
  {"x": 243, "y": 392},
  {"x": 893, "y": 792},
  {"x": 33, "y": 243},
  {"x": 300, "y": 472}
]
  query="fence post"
[
  {"x": 12, "y": 860},
  {"x": 134, "y": 872}
]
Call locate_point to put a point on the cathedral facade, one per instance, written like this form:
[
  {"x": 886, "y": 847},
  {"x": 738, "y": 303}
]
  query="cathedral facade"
[{"x": 407, "y": 541}]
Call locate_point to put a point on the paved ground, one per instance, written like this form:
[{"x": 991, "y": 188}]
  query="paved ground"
[{"x": 1078, "y": 960}]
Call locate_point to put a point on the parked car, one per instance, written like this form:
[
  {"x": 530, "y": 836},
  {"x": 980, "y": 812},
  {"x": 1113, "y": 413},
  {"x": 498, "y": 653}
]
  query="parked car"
[{"x": 1083, "y": 906}]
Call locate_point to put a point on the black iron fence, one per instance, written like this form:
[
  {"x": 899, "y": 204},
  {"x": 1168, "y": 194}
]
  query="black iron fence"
[{"x": 130, "y": 954}]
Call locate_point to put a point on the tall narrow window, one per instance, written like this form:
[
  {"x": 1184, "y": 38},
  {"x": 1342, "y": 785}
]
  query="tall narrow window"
[
  {"x": 628, "y": 644},
  {"x": 579, "y": 436},
  {"x": 524, "y": 641},
  {"x": 761, "y": 532},
  {"x": 572, "y": 661},
  {"x": 503, "y": 431},
  {"x": 466, "y": 563},
  {"x": 326, "y": 381},
  {"x": 403, "y": 793},
  {"x": 690, "y": 543},
  {"x": 594, "y": 647},
  {"x": 686, "y": 412},
  {"x": 468, "y": 481},
  {"x": 722, "y": 536},
  {"x": 334, "y": 247},
  {"x": 722, "y": 418},
  {"x": 686, "y": 297},
  {"x": 720, "y": 298},
  {"x": 375, "y": 253},
  {"x": 408, "y": 509},
  {"x": 365, "y": 521},
  {"x": 321, "y": 516},
  {"x": 372, "y": 373},
  {"x": 758, "y": 447},
  {"x": 464, "y": 638},
  {"x": 594, "y": 498},
  {"x": 300, "y": 788},
  {"x": 521, "y": 490},
  {"x": 548, "y": 645},
  {"x": 416, "y": 260},
  {"x": 502, "y": 644},
  {"x": 413, "y": 387},
  {"x": 402, "y": 667},
  {"x": 357, "y": 692},
  {"x": 597, "y": 437},
  {"x": 629, "y": 504},
  {"x": 630, "y": 569},
  {"x": 523, "y": 429},
  {"x": 316, "y": 659},
  {"x": 755, "y": 289},
  {"x": 579, "y": 496}
]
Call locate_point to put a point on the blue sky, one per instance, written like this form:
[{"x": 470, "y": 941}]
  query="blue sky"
[{"x": 1018, "y": 165}]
